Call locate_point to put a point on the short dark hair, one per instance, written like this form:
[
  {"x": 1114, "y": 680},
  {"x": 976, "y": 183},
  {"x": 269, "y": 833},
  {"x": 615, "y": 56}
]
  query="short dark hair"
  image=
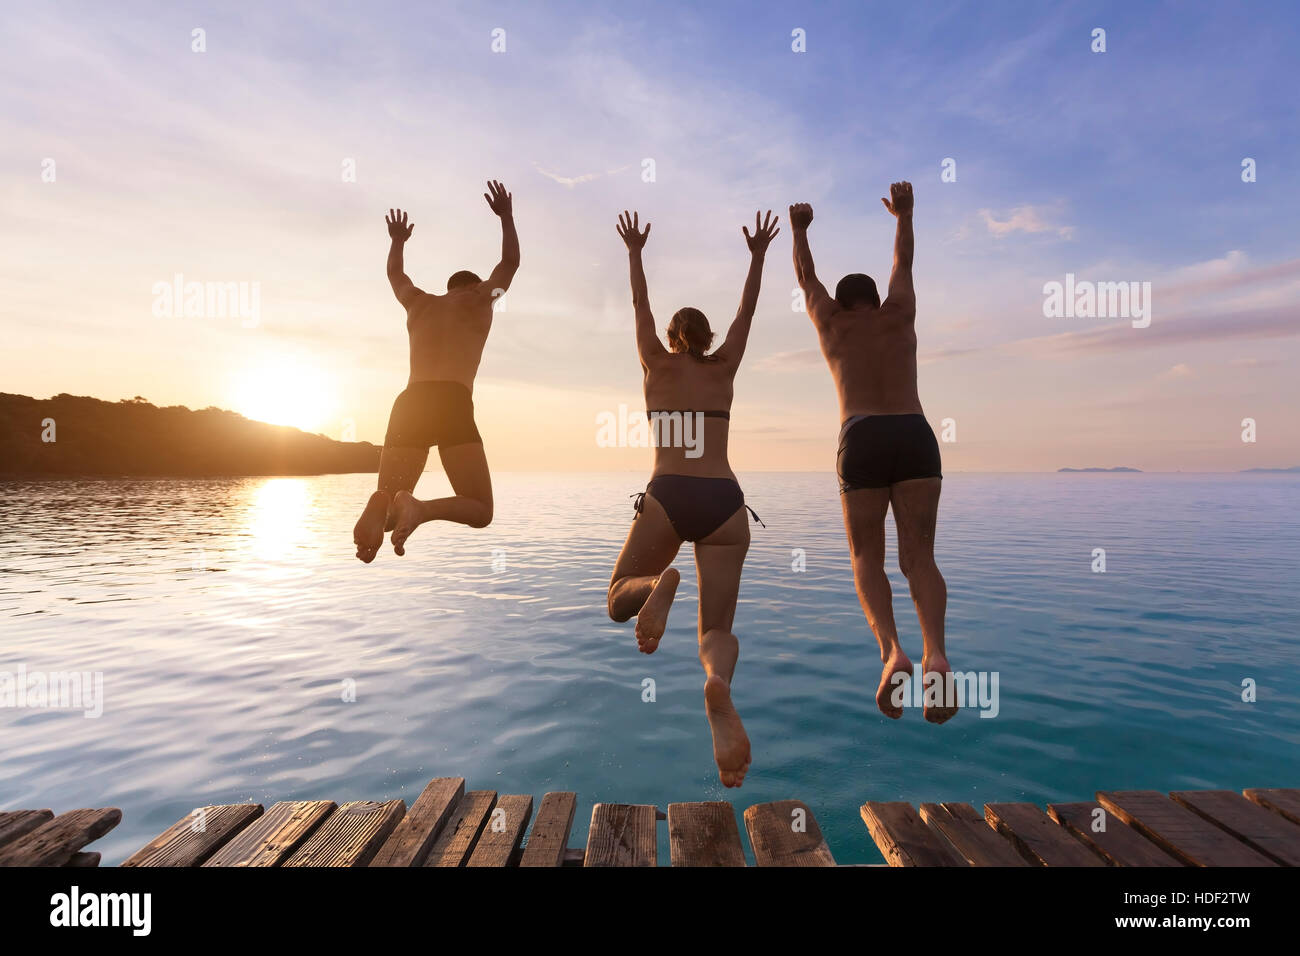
[
  {"x": 857, "y": 290},
  {"x": 461, "y": 279}
]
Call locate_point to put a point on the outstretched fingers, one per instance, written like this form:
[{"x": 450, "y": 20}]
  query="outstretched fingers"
[{"x": 629, "y": 224}]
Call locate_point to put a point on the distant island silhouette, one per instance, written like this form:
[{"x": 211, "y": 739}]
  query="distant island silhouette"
[
  {"x": 134, "y": 437},
  {"x": 1078, "y": 470},
  {"x": 1294, "y": 469}
]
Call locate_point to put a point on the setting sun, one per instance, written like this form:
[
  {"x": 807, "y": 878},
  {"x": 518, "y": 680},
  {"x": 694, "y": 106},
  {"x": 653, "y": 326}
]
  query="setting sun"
[{"x": 284, "y": 391}]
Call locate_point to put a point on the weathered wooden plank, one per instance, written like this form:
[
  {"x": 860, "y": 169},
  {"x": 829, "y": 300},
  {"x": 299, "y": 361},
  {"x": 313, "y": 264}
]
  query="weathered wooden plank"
[
  {"x": 274, "y": 836},
  {"x": 704, "y": 834},
  {"x": 970, "y": 836},
  {"x": 192, "y": 839},
  {"x": 622, "y": 835},
  {"x": 1284, "y": 802},
  {"x": 1178, "y": 830},
  {"x": 84, "y": 860},
  {"x": 904, "y": 838},
  {"x": 1119, "y": 843},
  {"x": 1270, "y": 834},
  {"x": 465, "y": 825},
  {"x": 16, "y": 823},
  {"x": 1039, "y": 838},
  {"x": 55, "y": 842},
  {"x": 785, "y": 833},
  {"x": 411, "y": 840},
  {"x": 350, "y": 836},
  {"x": 549, "y": 838},
  {"x": 504, "y": 829}
]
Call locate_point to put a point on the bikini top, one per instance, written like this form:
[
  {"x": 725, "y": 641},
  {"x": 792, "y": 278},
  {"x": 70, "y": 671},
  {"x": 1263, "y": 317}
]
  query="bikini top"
[{"x": 685, "y": 411}]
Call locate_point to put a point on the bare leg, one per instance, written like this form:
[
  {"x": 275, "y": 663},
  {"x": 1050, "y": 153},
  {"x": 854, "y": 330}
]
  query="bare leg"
[
  {"x": 916, "y": 511},
  {"x": 643, "y": 584},
  {"x": 864, "y": 520},
  {"x": 719, "y": 560},
  {"x": 467, "y": 470},
  {"x": 399, "y": 470}
]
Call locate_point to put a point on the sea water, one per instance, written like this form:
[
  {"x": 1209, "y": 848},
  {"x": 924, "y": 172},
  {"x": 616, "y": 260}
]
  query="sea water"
[{"x": 244, "y": 654}]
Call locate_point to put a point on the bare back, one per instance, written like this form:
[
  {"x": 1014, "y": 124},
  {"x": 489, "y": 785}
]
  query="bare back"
[
  {"x": 871, "y": 353},
  {"x": 676, "y": 381},
  {"x": 447, "y": 334}
]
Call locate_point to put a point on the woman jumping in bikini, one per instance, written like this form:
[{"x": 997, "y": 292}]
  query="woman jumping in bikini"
[{"x": 693, "y": 494}]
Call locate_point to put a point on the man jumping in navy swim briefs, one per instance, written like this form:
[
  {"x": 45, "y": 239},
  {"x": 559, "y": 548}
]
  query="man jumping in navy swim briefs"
[
  {"x": 887, "y": 451},
  {"x": 447, "y": 334}
]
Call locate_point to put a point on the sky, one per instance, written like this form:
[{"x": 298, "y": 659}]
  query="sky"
[{"x": 269, "y": 158}]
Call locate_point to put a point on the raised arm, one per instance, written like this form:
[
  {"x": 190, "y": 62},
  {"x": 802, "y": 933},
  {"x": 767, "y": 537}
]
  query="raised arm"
[
  {"x": 399, "y": 231},
  {"x": 648, "y": 345},
  {"x": 900, "y": 279},
  {"x": 816, "y": 298},
  {"x": 502, "y": 203},
  {"x": 733, "y": 347}
]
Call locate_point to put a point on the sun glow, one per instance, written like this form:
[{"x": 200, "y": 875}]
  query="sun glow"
[{"x": 285, "y": 391}]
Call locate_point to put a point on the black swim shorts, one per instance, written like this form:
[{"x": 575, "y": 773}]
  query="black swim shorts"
[
  {"x": 432, "y": 413},
  {"x": 877, "y": 451}
]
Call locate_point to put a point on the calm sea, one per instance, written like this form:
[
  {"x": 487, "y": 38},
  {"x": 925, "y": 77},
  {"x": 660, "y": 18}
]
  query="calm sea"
[{"x": 229, "y": 618}]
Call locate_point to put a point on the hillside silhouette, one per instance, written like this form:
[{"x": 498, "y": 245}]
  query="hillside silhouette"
[{"x": 133, "y": 437}]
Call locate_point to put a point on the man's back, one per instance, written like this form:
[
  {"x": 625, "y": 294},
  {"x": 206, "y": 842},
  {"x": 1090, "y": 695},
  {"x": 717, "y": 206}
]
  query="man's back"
[
  {"x": 871, "y": 353},
  {"x": 447, "y": 334},
  {"x": 887, "y": 456}
]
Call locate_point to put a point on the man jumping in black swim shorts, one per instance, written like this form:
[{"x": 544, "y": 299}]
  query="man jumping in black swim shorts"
[
  {"x": 447, "y": 334},
  {"x": 887, "y": 451}
]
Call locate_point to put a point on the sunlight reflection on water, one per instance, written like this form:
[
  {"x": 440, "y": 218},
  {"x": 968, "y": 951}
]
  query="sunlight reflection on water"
[{"x": 226, "y": 615}]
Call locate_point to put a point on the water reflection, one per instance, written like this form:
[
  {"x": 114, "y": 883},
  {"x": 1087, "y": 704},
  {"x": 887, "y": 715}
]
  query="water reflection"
[{"x": 276, "y": 518}]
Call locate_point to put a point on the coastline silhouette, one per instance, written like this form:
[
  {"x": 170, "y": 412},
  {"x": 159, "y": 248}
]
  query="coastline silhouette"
[{"x": 134, "y": 437}]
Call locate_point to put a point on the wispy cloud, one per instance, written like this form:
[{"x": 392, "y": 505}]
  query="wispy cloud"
[
  {"x": 1225, "y": 275},
  {"x": 1275, "y": 322},
  {"x": 567, "y": 181},
  {"x": 1029, "y": 218},
  {"x": 796, "y": 360},
  {"x": 1181, "y": 370}
]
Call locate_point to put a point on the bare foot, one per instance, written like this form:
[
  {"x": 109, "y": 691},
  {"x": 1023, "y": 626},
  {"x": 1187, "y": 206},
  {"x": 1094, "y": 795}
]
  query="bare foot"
[
  {"x": 406, "y": 518},
  {"x": 947, "y": 708},
  {"x": 369, "y": 531},
  {"x": 730, "y": 743},
  {"x": 653, "y": 617},
  {"x": 890, "y": 690}
]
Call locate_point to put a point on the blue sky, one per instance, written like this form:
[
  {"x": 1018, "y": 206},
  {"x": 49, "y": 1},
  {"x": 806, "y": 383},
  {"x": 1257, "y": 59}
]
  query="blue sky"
[{"x": 225, "y": 166}]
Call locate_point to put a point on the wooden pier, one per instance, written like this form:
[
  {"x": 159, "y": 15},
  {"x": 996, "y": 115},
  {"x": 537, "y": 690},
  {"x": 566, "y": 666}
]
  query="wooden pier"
[
  {"x": 448, "y": 826},
  {"x": 1122, "y": 828}
]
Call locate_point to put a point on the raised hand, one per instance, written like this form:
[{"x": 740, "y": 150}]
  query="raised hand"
[
  {"x": 398, "y": 229},
  {"x": 764, "y": 232},
  {"x": 627, "y": 230},
  {"x": 900, "y": 198},
  {"x": 498, "y": 200},
  {"x": 801, "y": 215}
]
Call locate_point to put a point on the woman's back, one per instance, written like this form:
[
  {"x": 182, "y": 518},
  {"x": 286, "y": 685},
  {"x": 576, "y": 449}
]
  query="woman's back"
[{"x": 688, "y": 404}]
